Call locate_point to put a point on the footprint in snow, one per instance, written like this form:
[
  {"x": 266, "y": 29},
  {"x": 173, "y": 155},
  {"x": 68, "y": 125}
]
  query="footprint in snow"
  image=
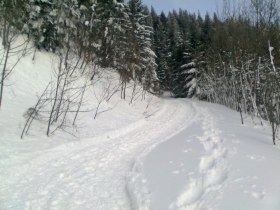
[
  {"x": 258, "y": 195},
  {"x": 255, "y": 157},
  {"x": 206, "y": 163},
  {"x": 216, "y": 176},
  {"x": 176, "y": 172},
  {"x": 189, "y": 140},
  {"x": 235, "y": 141},
  {"x": 194, "y": 193},
  {"x": 209, "y": 146},
  {"x": 255, "y": 194},
  {"x": 220, "y": 152}
]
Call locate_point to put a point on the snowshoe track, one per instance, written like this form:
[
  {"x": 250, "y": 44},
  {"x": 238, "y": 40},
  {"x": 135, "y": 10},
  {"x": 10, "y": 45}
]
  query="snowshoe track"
[{"x": 213, "y": 168}]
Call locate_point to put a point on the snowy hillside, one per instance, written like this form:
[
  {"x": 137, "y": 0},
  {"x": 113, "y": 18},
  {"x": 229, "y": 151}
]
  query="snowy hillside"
[
  {"x": 89, "y": 163},
  {"x": 150, "y": 154},
  {"x": 108, "y": 105},
  {"x": 28, "y": 81}
]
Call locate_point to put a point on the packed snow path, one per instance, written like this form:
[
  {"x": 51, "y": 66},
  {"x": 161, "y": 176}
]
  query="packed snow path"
[
  {"x": 188, "y": 155},
  {"x": 213, "y": 164},
  {"x": 90, "y": 174}
]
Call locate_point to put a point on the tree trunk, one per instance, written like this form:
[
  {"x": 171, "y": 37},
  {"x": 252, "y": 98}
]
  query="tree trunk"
[
  {"x": 273, "y": 133},
  {"x": 4, "y": 74},
  {"x": 4, "y": 38}
]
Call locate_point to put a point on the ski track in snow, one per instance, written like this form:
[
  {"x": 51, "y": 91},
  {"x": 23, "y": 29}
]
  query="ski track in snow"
[
  {"x": 106, "y": 172},
  {"x": 213, "y": 168},
  {"x": 137, "y": 189},
  {"x": 93, "y": 174}
]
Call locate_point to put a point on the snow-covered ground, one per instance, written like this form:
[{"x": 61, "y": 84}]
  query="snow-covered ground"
[
  {"x": 213, "y": 164},
  {"x": 87, "y": 174},
  {"x": 88, "y": 171},
  {"x": 152, "y": 154}
]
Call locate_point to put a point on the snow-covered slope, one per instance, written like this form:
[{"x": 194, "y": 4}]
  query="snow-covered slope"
[
  {"x": 152, "y": 154},
  {"x": 28, "y": 81},
  {"x": 215, "y": 163},
  {"x": 88, "y": 171}
]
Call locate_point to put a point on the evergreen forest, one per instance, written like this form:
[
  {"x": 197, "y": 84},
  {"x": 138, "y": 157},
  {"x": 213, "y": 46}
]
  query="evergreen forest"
[{"x": 231, "y": 57}]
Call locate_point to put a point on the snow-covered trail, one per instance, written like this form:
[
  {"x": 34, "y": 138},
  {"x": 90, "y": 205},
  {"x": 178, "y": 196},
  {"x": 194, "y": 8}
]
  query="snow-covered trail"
[
  {"x": 212, "y": 170},
  {"x": 90, "y": 174},
  {"x": 189, "y": 155},
  {"x": 213, "y": 164}
]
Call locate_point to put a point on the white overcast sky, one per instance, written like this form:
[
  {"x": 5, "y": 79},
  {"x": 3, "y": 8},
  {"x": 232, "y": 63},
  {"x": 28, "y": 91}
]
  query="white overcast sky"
[{"x": 191, "y": 5}]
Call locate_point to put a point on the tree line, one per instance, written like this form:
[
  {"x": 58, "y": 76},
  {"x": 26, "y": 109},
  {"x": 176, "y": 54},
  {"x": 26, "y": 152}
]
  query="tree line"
[
  {"x": 108, "y": 32},
  {"x": 86, "y": 36},
  {"x": 231, "y": 57}
]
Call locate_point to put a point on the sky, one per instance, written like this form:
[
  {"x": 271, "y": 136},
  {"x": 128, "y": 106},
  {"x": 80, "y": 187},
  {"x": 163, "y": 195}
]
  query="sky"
[{"x": 190, "y": 5}]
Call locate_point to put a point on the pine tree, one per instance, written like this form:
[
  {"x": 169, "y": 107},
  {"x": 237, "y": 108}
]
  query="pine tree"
[
  {"x": 150, "y": 78},
  {"x": 189, "y": 71},
  {"x": 69, "y": 23},
  {"x": 176, "y": 55},
  {"x": 206, "y": 30},
  {"x": 144, "y": 69},
  {"x": 41, "y": 24},
  {"x": 161, "y": 48},
  {"x": 124, "y": 54},
  {"x": 11, "y": 18},
  {"x": 107, "y": 29}
]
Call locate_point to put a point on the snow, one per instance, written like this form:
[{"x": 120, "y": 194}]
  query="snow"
[
  {"x": 214, "y": 163},
  {"x": 152, "y": 154},
  {"x": 188, "y": 65},
  {"x": 83, "y": 172}
]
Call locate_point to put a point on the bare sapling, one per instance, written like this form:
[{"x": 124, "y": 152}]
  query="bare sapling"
[{"x": 13, "y": 47}]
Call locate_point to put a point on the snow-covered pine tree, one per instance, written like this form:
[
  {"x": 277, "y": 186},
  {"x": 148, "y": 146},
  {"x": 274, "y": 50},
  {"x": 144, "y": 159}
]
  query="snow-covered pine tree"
[
  {"x": 206, "y": 30},
  {"x": 123, "y": 44},
  {"x": 68, "y": 22},
  {"x": 41, "y": 23},
  {"x": 160, "y": 46},
  {"x": 150, "y": 78},
  {"x": 34, "y": 21},
  {"x": 176, "y": 48},
  {"x": 83, "y": 40},
  {"x": 108, "y": 28},
  {"x": 111, "y": 38},
  {"x": 12, "y": 19},
  {"x": 189, "y": 72},
  {"x": 144, "y": 68},
  {"x": 135, "y": 9}
]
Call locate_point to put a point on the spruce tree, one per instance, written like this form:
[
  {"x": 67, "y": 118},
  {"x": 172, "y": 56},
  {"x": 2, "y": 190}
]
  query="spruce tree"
[
  {"x": 161, "y": 48},
  {"x": 189, "y": 71},
  {"x": 107, "y": 30},
  {"x": 176, "y": 54},
  {"x": 145, "y": 66},
  {"x": 42, "y": 22}
]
